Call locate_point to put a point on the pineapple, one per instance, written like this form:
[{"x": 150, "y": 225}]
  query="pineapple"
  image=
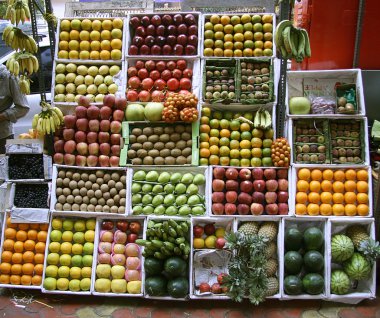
[
  {"x": 357, "y": 234},
  {"x": 249, "y": 228},
  {"x": 272, "y": 286},
  {"x": 268, "y": 230},
  {"x": 271, "y": 250},
  {"x": 271, "y": 267}
]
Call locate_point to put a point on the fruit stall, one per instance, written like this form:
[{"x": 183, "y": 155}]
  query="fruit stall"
[{"x": 171, "y": 178}]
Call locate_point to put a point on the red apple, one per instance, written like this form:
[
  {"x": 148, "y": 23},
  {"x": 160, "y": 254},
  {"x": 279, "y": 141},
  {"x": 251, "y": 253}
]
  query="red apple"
[
  {"x": 105, "y": 148},
  {"x": 82, "y": 124},
  {"x": 104, "y": 125},
  {"x": 120, "y": 103},
  {"x": 84, "y": 101},
  {"x": 198, "y": 231},
  {"x": 218, "y": 197},
  {"x": 230, "y": 209},
  {"x": 105, "y": 111},
  {"x": 244, "y": 198},
  {"x": 93, "y": 112},
  {"x": 271, "y": 209},
  {"x": 259, "y": 185},
  {"x": 115, "y": 139},
  {"x": 92, "y": 161},
  {"x": 282, "y": 174},
  {"x": 209, "y": 229},
  {"x": 283, "y": 185},
  {"x": 93, "y": 149},
  {"x": 258, "y": 197},
  {"x": 232, "y": 174},
  {"x": 58, "y": 158},
  {"x": 132, "y": 237},
  {"x": 80, "y": 161},
  {"x": 114, "y": 161},
  {"x": 270, "y": 174},
  {"x": 115, "y": 150},
  {"x": 122, "y": 225},
  {"x": 92, "y": 137},
  {"x": 220, "y": 242},
  {"x": 258, "y": 174},
  {"x": 58, "y": 146},
  {"x": 217, "y": 185},
  {"x": 82, "y": 148},
  {"x": 282, "y": 196},
  {"x": 218, "y": 173},
  {"x": 68, "y": 134},
  {"x": 80, "y": 136},
  {"x": 246, "y": 186},
  {"x": 135, "y": 227},
  {"x": 69, "y": 159},
  {"x": 283, "y": 208},
  {"x": 270, "y": 197},
  {"x": 271, "y": 185},
  {"x": 109, "y": 100},
  {"x": 232, "y": 185},
  {"x": 107, "y": 225},
  {"x": 81, "y": 112},
  {"x": 257, "y": 209},
  {"x": 216, "y": 289},
  {"x": 231, "y": 196},
  {"x": 118, "y": 115},
  {"x": 93, "y": 125},
  {"x": 243, "y": 209},
  {"x": 217, "y": 208},
  {"x": 104, "y": 161},
  {"x": 69, "y": 146},
  {"x": 245, "y": 174},
  {"x": 204, "y": 288},
  {"x": 115, "y": 127},
  {"x": 69, "y": 121},
  {"x": 103, "y": 137}
]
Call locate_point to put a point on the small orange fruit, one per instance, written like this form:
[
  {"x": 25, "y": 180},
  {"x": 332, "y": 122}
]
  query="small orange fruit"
[
  {"x": 40, "y": 247},
  {"x": 23, "y": 226},
  {"x": 39, "y": 269},
  {"x": 328, "y": 174},
  {"x": 338, "y": 187},
  {"x": 338, "y": 198},
  {"x": 313, "y": 209},
  {"x": 315, "y": 186},
  {"x": 301, "y": 197},
  {"x": 301, "y": 209},
  {"x": 350, "y": 185},
  {"x": 214, "y": 150},
  {"x": 10, "y": 233},
  {"x": 316, "y": 175},
  {"x": 26, "y": 280},
  {"x": 362, "y": 198},
  {"x": 362, "y": 209},
  {"x": 16, "y": 269},
  {"x": 362, "y": 186},
  {"x": 18, "y": 247},
  {"x": 44, "y": 226},
  {"x": 6, "y": 256},
  {"x": 350, "y": 197},
  {"x": 32, "y": 235},
  {"x": 362, "y": 175},
  {"x": 204, "y": 153},
  {"x": 326, "y": 185},
  {"x": 304, "y": 174},
  {"x": 326, "y": 197},
  {"x": 34, "y": 226},
  {"x": 39, "y": 258},
  {"x": 15, "y": 279},
  {"x": 8, "y": 245},
  {"x": 350, "y": 209},
  {"x": 29, "y": 245},
  {"x": 325, "y": 209},
  {"x": 41, "y": 236},
  {"x": 21, "y": 235},
  {"x": 225, "y": 133},
  {"x": 11, "y": 225},
  {"x": 338, "y": 209},
  {"x": 4, "y": 279},
  {"x": 313, "y": 197},
  {"x": 339, "y": 175},
  {"x": 302, "y": 185},
  {"x": 350, "y": 174},
  {"x": 17, "y": 258},
  {"x": 27, "y": 268},
  {"x": 28, "y": 257},
  {"x": 5, "y": 268},
  {"x": 36, "y": 280}
]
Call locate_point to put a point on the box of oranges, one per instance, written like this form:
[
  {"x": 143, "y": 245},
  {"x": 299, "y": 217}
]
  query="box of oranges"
[
  {"x": 22, "y": 254},
  {"x": 332, "y": 191}
]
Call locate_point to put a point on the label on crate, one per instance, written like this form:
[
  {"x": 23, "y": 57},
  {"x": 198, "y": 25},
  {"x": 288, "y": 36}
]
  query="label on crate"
[
  {"x": 48, "y": 167},
  {"x": 19, "y": 147},
  {"x": 322, "y": 86},
  {"x": 20, "y": 215}
]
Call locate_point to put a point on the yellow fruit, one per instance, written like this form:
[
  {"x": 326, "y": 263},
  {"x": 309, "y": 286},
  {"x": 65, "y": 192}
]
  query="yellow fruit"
[
  {"x": 210, "y": 241},
  {"x": 220, "y": 232},
  {"x": 198, "y": 243}
]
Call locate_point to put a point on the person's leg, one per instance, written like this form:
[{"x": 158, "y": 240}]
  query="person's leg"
[{"x": 3, "y": 141}]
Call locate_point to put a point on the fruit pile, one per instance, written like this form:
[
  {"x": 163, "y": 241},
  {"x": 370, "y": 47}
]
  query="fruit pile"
[
  {"x": 160, "y": 145},
  {"x": 353, "y": 251},
  {"x": 256, "y": 82},
  {"x": 75, "y": 80},
  {"x": 26, "y": 166},
  {"x": 166, "y": 253},
  {"x": 346, "y": 142},
  {"x": 345, "y": 106},
  {"x": 119, "y": 261},
  {"x": 31, "y": 195},
  {"x": 233, "y": 139},
  {"x": 91, "y": 190},
  {"x": 332, "y": 192},
  {"x": 70, "y": 255},
  {"x": 216, "y": 288},
  {"x": 149, "y": 80},
  {"x": 93, "y": 39},
  {"x": 167, "y": 193},
  {"x": 245, "y": 191},
  {"x": 238, "y": 35},
  {"x": 167, "y": 34},
  {"x": 304, "y": 261},
  {"x": 91, "y": 137},
  {"x": 310, "y": 142},
  {"x": 23, "y": 253},
  {"x": 208, "y": 236}
]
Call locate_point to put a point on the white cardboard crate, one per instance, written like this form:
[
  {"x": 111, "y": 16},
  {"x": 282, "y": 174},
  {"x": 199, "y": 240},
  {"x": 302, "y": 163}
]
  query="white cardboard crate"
[
  {"x": 96, "y": 254},
  {"x": 86, "y": 214},
  {"x": 204, "y": 189},
  {"x": 367, "y": 288},
  {"x": 303, "y": 223},
  {"x": 325, "y": 80},
  {"x": 296, "y": 168}
]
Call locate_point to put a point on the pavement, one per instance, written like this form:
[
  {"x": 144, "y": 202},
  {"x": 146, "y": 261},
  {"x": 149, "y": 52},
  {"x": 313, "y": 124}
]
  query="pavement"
[{"x": 31, "y": 303}]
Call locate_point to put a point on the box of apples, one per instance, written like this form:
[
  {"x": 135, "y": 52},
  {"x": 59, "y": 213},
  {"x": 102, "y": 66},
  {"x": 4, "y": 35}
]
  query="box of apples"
[
  {"x": 176, "y": 34},
  {"x": 249, "y": 191}
]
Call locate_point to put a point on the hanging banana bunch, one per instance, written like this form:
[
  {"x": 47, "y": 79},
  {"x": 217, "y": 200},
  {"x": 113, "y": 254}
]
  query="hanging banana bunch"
[
  {"x": 48, "y": 120},
  {"x": 263, "y": 119},
  {"x": 22, "y": 63},
  {"x": 18, "y": 40},
  {"x": 17, "y": 11},
  {"x": 50, "y": 18},
  {"x": 292, "y": 42},
  {"x": 24, "y": 83}
]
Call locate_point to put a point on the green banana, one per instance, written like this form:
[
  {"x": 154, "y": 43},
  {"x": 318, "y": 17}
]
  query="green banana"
[
  {"x": 307, "y": 43},
  {"x": 278, "y": 37},
  {"x": 294, "y": 43}
]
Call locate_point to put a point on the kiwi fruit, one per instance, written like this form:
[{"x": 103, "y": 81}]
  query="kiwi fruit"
[
  {"x": 75, "y": 192},
  {"x": 147, "y": 131},
  {"x": 179, "y": 128},
  {"x": 153, "y": 138},
  {"x": 121, "y": 209},
  {"x": 88, "y": 185},
  {"x": 95, "y": 186},
  {"x": 181, "y": 160},
  {"x": 164, "y": 137},
  {"x": 158, "y": 130},
  {"x": 168, "y": 130},
  {"x": 107, "y": 177},
  {"x": 122, "y": 201},
  {"x": 175, "y": 152},
  {"x": 111, "y": 184},
  {"x": 90, "y": 193},
  {"x": 148, "y": 145},
  {"x": 180, "y": 144},
  {"x": 78, "y": 199},
  {"x": 59, "y": 191},
  {"x": 61, "y": 174},
  {"x": 76, "y": 176},
  {"x": 70, "y": 199},
  {"x": 106, "y": 195},
  {"x": 98, "y": 194},
  {"x": 159, "y": 145},
  {"x": 116, "y": 198},
  {"x": 122, "y": 193},
  {"x": 136, "y": 161},
  {"x": 110, "y": 202},
  {"x": 186, "y": 152},
  {"x": 114, "y": 209},
  {"x": 92, "y": 177},
  {"x": 84, "y": 176},
  {"x": 104, "y": 188},
  {"x": 91, "y": 208},
  {"x": 83, "y": 207},
  {"x": 59, "y": 182},
  {"x": 170, "y": 145},
  {"x": 66, "y": 207},
  {"x": 188, "y": 129},
  {"x": 62, "y": 199},
  {"x": 66, "y": 191},
  {"x": 185, "y": 136},
  {"x": 153, "y": 153},
  {"x": 58, "y": 206},
  {"x": 175, "y": 137},
  {"x": 159, "y": 161},
  {"x": 81, "y": 184},
  {"x": 169, "y": 160},
  {"x": 131, "y": 154},
  {"x": 83, "y": 192},
  {"x": 94, "y": 201},
  {"x": 189, "y": 143},
  {"x": 123, "y": 178},
  {"x": 119, "y": 186},
  {"x": 136, "y": 131},
  {"x": 189, "y": 159},
  {"x": 86, "y": 199},
  {"x": 148, "y": 160},
  {"x": 141, "y": 153},
  {"x": 69, "y": 174},
  {"x": 141, "y": 139},
  {"x": 106, "y": 209},
  {"x": 99, "y": 174},
  {"x": 132, "y": 139},
  {"x": 99, "y": 181},
  {"x": 101, "y": 201},
  {"x": 98, "y": 208},
  {"x": 115, "y": 176},
  {"x": 65, "y": 182},
  {"x": 164, "y": 152}
]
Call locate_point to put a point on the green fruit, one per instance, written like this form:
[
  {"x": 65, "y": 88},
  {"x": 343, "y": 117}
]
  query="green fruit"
[
  {"x": 293, "y": 262},
  {"x": 176, "y": 177},
  {"x": 147, "y": 188},
  {"x": 313, "y": 284},
  {"x": 292, "y": 285},
  {"x": 184, "y": 210},
  {"x": 293, "y": 239},
  {"x": 74, "y": 285},
  {"x": 50, "y": 283},
  {"x": 157, "y": 200},
  {"x": 153, "y": 266},
  {"x": 357, "y": 267},
  {"x": 340, "y": 282},
  {"x": 169, "y": 188},
  {"x": 147, "y": 199},
  {"x": 342, "y": 248},
  {"x": 158, "y": 188},
  {"x": 152, "y": 176},
  {"x": 156, "y": 286},
  {"x": 181, "y": 200},
  {"x": 138, "y": 209},
  {"x": 313, "y": 238},
  {"x": 159, "y": 210},
  {"x": 199, "y": 179},
  {"x": 136, "y": 198},
  {"x": 198, "y": 210},
  {"x": 136, "y": 188},
  {"x": 180, "y": 188},
  {"x": 171, "y": 210},
  {"x": 148, "y": 209},
  {"x": 193, "y": 200},
  {"x": 164, "y": 177},
  {"x": 178, "y": 287},
  {"x": 169, "y": 199},
  {"x": 314, "y": 261},
  {"x": 175, "y": 266},
  {"x": 139, "y": 175},
  {"x": 187, "y": 178},
  {"x": 192, "y": 189}
]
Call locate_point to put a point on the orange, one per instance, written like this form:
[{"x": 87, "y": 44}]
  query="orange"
[
  {"x": 16, "y": 269},
  {"x": 338, "y": 187},
  {"x": 301, "y": 197},
  {"x": 204, "y": 129},
  {"x": 225, "y": 133},
  {"x": 326, "y": 185},
  {"x": 313, "y": 209},
  {"x": 362, "y": 198},
  {"x": 36, "y": 280},
  {"x": 362, "y": 209},
  {"x": 304, "y": 174},
  {"x": 9, "y": 224},
  {"x": 39, "y": 258},
  {"x": 204, "y": 153},
  {"x": 350, "y": 174},
  {"x": 213, "y": 141},
  {"x": 5, "y": 268},
  {"x": 4, "y": 279},
  {"x": 362, "y": 186},
  {"x": 17, "y": 258},
  {"x": 6, "y": 256},
  {"x": 28, "y": 257},
  {"x": 245, "y": 144},
  {"x": 32, "y": 235},
  {"x": 350, "y": 185},
  {"x": 29, "y": 245},
  {"x": 339, "y": 175},
  {"x": 28, "y": 268},
  {"x": 34, "y": 226},
  {"x": 26, "y": 280},
  {"x": 316, "y": 174},
  {"x": 214, "y": 150},
  {"x": 338, "y": 198},
  {"x": 40, "y": 247},
  {"x": 15, "y": 279},
  {"x": 300, "y": 209},
  {"x": 245, "y": 127},
  {"x": 23, "y": 226},
  {"x": 325, "y": 209},
  {"x": 21, "y": 235},
  {"x": 8, "y": 245},
  {"x": 315, "y": 186},
  {"x": 204, "y": 144},
  {"x": 313, "y": 197},
  {"x": 350, "y": 197},
  {"x": 302, "y": 185},
  {"x": 18, "y": 247},
  {"x": 350, "y": 209},
  {"x": 328, "y": 174},
  {"x": 10, "y": 233},
  {"x": 213, "y": 160},
  {"x": 362, "y": 175},
  {"x": 326, "y": 197},
  {"x": 338, "y": 209},
  {"x": 38, "y": 269},
  {"x": 44, "y": 226}
]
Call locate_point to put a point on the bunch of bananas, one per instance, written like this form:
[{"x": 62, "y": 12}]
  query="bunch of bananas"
[
  {"x": 17, "y": 11},
  {"x": 292, "y": 42},
  {"x": 50, "y": 18},
  {"x": 18, "y": 40},
  {"x": 22, "y": 62},
  {"x": 48, "y": 120},
  {"x": 263, "y": 119},
  {"x": 24, "y": 83}
]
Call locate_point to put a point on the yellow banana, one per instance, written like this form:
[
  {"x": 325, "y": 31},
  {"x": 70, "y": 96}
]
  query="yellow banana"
[
  {"x": 16, "y": 68},
  {"x": 6, "y": 31},
  {"x": 47, "y": 125},
  {"x": 59, "y": 113},
  {"x": 22, "y": 15},
  {"x": 27, "y": 11},
  {"x": 33, "y": 44},
  {"x": 13, "y": 16},
  {"x": 8, "y": 12},
  {"x": 35, "y": 121},
  {"x": 56, "y": 119},
  {"x": 18, "y": 17},
  {"x": 30, "y": 65},
  {"x": 36, "y": 65},
  {"x": 39, "y": 124},
  {"x": 52, "y": 124}
]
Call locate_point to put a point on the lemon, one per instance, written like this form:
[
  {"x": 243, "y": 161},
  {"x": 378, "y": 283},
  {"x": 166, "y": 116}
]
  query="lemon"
[{"x": 210, "y": 241}]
